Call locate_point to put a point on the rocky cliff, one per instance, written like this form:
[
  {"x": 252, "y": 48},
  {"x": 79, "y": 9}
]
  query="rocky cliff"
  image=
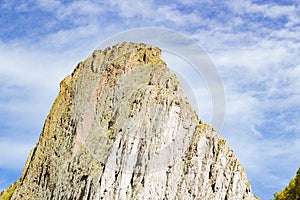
[{"x": 122, "y": 128}]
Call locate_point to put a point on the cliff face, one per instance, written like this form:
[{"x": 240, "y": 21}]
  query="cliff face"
[{"x": 121, "y": 128}]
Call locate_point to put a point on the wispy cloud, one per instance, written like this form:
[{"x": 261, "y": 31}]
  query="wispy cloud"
[
  {"x": 266, "y": 10},
  {"x": 13, "y": 158}
]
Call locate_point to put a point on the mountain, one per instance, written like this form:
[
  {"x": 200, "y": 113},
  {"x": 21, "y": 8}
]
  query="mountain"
[
  {"x": 122, "y": 128},
  {"x": 292, "y": 191}
]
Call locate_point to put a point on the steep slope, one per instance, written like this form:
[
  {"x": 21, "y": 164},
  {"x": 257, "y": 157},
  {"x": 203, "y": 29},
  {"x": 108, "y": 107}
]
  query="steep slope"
[{"x": 121, "y": 128}]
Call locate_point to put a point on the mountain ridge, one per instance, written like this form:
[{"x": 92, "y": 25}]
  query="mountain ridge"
[{"x": 121, "y": 128}]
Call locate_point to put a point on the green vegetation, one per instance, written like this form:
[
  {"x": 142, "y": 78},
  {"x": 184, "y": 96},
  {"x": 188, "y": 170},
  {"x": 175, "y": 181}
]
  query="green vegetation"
[
  {"x": 6, "y": 194},
  {"x": 292, "y": 191}
]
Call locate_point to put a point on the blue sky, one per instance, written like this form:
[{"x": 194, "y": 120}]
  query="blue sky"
[{"x": 255, "y": 45}]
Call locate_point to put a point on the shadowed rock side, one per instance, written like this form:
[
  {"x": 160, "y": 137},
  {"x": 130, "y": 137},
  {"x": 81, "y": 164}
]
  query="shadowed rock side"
[{"x": 121, "y": 128}]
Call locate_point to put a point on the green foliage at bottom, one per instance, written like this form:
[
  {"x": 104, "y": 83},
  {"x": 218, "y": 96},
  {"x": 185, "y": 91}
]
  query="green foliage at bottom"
[
  {"x": 6, "y": 194},
  {"x": 292, "y": 191}
]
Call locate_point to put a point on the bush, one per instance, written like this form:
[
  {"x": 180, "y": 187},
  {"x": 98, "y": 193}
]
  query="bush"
[{"x": 292, "y": 191}]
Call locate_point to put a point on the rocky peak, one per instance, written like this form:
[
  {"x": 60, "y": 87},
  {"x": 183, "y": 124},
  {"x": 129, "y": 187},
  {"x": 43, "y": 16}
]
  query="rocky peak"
[{"x": 122, "y": 128}]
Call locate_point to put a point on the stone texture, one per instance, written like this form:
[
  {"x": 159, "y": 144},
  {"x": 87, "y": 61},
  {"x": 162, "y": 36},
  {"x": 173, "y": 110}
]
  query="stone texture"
[{"x": 122, "y": 128}]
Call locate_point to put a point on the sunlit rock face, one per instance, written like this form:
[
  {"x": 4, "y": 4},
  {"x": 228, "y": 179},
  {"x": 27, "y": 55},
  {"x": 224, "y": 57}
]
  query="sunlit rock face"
[{"x": 122, "y": 128}]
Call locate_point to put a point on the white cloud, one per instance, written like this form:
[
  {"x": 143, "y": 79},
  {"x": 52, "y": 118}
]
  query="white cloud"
[
  {"x": 127, "y": 10},
  {"x": 170, "y": 13},
  {"x": 13, "y": 154},
  {"x": 49, "y": 5},
  {"x": 76, "y": 8},
  {"x": 153, "y": 13},
  {"x": 71, "y": 37},
  {"x": 279, "y": 11},
  {"x": 29, "y": 80},
  {"x": 269, "y": 10},
  {"x": 26, "y": 66}
]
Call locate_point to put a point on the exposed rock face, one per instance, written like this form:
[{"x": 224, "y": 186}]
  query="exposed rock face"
[{"x": 121, "y": 128}]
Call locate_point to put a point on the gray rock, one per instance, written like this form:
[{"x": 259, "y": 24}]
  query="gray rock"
[{"x": 122, "y": 128}]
